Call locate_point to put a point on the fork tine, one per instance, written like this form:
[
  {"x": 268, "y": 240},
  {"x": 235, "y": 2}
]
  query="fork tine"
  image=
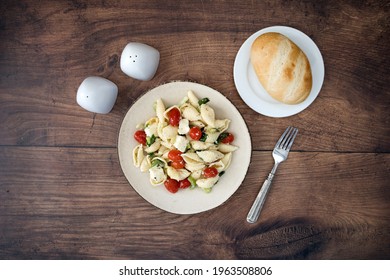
[
  {"x": 286, "y": 138},
  {"x": 278, "y": 144},
  {"x": 292, "y": 138}
]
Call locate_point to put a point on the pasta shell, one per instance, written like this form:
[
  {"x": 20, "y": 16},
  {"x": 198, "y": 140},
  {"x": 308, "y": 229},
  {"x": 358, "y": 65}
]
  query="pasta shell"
[
  {"x": 226, "y": 148},
  {"x": 177, "y": 174},
  {"x": 194, "y": 166},
  {"x": 200, "y": 146},
  {"x": 208, "y": 115},
  {"x": 162, "y": 150},
  {"x": 184, "y": 100},
  {"x": 151, "y": 127},
  {"x": 206, "y": 183},
  {"x": 164, "y": 162},
  {"x": 226, "y": 160},
  {"x": 157, "y": 175},
  {"x": 150, "y": 121},
  {"x": 160, "y": 109},
  {"x": 169, "y": 132},
  {"x": 138, "y": 155},
  {"x": 213, "y": 147},
  {"x": 189, "y": 112},
  {"x": 145, "y": 164},
  {"x": 191, "y": 158},
  {"x": 209, "y": 156},
  {"x": 219, "y": 165},
  {"x": 199, "y": 124},
  {"x": 196, "y": 174},
  {"x": 212, "y": 135},
  {"x": 192, "y": 98},
  {"x": 160, "y": 127},
  {"x": 193, "y": 161},
  {"x": 222, "y": 125},
  {"x": 168, "y": 145},
  {"x": 165, "y": 154},
  {"x": 154, "y": 147}
]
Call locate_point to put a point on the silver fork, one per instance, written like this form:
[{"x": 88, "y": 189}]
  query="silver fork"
[{"x": 279, "y": 154}]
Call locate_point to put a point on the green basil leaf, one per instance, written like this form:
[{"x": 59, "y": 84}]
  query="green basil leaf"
[
  {"x": 150, "y": 140},
  {"x": 203, "y": 101},
  {"x": 192, "y": 181},
  {"x": 222, "y": 136},
  {"x": 157, "y": 162},
  {"x": 203, "y": 138}
]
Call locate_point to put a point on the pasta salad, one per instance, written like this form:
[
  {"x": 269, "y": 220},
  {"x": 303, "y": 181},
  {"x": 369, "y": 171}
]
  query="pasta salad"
[{"x": 184, "y": 146}]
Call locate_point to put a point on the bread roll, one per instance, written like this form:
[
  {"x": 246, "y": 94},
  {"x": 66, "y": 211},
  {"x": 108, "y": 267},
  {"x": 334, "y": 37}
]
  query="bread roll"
[{"x": 281, "y": 67}]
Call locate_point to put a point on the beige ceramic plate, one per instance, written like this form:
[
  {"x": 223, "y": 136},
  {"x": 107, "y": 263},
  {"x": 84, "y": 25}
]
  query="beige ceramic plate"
[{"x": 185, "y": 201}]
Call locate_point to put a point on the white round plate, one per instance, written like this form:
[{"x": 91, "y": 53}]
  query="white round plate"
[
  {"x": 251, "y": 90},
  {"x": 185, "y": 201}
]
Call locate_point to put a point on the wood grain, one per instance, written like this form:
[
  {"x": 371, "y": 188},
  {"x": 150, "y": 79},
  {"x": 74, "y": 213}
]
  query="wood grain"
[
  {"x": 63, "y": 194},
  {"x": 49, "y": 48},
  {"x": 75, "y": 203}
]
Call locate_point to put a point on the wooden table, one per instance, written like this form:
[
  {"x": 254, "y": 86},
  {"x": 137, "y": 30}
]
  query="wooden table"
[{"x": 62, "y": 191}]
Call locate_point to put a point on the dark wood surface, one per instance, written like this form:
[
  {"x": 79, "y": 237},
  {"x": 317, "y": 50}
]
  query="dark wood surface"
[{"x": 63, "y": 194}]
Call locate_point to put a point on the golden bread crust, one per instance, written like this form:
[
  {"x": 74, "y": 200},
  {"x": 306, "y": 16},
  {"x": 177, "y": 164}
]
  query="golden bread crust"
[{"x": 281, "y": 67}]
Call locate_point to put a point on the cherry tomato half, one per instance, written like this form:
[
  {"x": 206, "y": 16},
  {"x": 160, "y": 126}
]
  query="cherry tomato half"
[
  {"x": 210, "y": 172},
  {"x": 171, "y": 185},
  {"x": 175, "y": 155},
  {"x": 183, "y": 184},
  {"x": 174, "y": 117},
  {"x": 228, "y": 139},
  {"x": 140, "y": 136},
  {"x": 195, "y": 133},
  {"x": 178, "y": 164}
]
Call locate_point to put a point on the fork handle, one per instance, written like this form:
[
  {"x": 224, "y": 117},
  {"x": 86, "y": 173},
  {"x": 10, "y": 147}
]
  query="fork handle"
[{"x": 258, "y": 204}]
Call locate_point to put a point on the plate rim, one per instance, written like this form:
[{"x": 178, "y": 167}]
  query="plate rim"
[
  {"x": 278, "y": 109},
  {"x": 248, "y": 156}
]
